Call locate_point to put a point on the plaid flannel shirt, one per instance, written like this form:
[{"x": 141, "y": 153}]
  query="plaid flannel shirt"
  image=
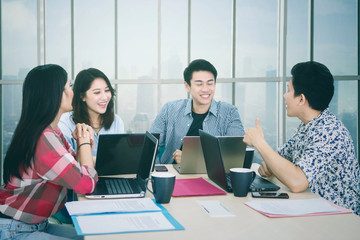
[{"x": 43, "y": 190}]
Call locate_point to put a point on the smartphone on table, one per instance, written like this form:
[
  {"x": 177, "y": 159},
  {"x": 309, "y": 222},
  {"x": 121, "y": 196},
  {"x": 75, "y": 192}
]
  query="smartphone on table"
[
  {"x": 270, "y": 195},
  {"x": 161, "y": 168}
]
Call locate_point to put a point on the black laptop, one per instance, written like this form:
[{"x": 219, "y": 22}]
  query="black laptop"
[
  {"x": 216, "y": 170},
  {"x": 110, "y": 187},
  {"x": 119, "y": 153}
]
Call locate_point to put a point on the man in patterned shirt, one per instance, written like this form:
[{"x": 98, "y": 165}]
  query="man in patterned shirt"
[
  {"x": 321, "y": 153},
  {"x": 185, "y": 117}
]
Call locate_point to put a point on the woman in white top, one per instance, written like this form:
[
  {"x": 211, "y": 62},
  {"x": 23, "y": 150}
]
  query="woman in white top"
[{"x": 93, "y": 104}]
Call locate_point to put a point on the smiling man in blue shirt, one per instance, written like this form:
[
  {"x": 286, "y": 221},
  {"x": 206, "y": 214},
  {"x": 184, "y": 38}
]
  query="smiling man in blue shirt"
[{"x": 185, "y": 117}]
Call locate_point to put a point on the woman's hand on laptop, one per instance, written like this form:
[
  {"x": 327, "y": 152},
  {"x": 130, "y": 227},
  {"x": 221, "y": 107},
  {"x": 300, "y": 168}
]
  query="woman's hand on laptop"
[{"x": 177, "y": 156}]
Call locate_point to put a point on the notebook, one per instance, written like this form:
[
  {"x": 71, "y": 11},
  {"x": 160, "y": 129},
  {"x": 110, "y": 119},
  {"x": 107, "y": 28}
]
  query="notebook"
[
  {"x": 129, "y": 187},
  {"x": 119, "y": 153},
  {"x": 216, "y": 170},
  {"x": 192, "y": 159}
]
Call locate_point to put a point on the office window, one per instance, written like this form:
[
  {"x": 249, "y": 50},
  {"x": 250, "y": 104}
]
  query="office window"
[
  {"x": 258, "y": 100},
  {"x": 256, "y": 38},
  {"x": 174, "y": 39},
  {"x": 94, "y": 36},
  {"x": 223, "y": 92},
  {"x": 211, "y": 33},
  {"x": 344, "y": 106},
  {"x": 19, "y": 40},
  {"x": 297, "y": 37},
  {"x": 171, "y": 92},
  {"x": 336, "y": 46},
  {"x": 137, "y": 39},
  {"x": 58, "y": 33},
  {"x": 19, "y": 55},
  {"x": 137, "y": 106}
]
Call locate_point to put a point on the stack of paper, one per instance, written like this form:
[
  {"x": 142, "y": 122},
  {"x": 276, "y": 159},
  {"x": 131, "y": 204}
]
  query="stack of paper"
[
  {"x": 120, "y": 216},
  {"x": 296, "y": 208}
]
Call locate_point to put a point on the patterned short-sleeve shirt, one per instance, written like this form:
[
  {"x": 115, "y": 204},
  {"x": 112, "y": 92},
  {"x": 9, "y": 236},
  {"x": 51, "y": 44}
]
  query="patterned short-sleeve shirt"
[{"x": 324, "y": 150}]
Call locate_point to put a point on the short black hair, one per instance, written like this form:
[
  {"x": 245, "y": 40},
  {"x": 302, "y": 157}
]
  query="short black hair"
[
  {"x": 315, "y": 81},
  {"x": 198, "y": 65}
]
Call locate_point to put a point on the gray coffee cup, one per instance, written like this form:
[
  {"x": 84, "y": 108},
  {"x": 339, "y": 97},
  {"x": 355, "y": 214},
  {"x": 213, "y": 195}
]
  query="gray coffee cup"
[
  {"x": 163, "y": 186},
  {"x": 241, "y": 179}
]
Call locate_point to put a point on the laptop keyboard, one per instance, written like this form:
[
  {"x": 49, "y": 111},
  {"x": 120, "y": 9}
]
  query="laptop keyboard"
[{"x": 119, "y": 185}]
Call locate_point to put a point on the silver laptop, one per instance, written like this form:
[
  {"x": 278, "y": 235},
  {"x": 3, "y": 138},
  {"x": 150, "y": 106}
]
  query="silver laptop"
[
  {"x": 192, "y": 157},
  {"x": 112, "y": 187},
  {"x": 232, "y": 151}
]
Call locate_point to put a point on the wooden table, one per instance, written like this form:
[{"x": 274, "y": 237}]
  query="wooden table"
[{"x": 247, "y": 224}]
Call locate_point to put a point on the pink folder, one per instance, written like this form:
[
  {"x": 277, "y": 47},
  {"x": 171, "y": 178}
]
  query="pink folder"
[
  {"x": 341, "y": 210},
  {"x": 195, "y": 187}
]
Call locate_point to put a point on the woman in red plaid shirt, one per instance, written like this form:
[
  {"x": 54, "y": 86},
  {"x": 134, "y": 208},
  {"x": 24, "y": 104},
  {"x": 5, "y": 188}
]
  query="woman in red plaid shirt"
[{"x": 40, "y": 165}]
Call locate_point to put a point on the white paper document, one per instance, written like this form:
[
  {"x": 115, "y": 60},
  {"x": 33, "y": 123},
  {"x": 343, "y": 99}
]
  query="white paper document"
[
  {"x": 106, "y": 206},
  {"x": 117, "y": 223},
  {"x": 293, "y": 207},
  {"x": 215, "y": 208}
]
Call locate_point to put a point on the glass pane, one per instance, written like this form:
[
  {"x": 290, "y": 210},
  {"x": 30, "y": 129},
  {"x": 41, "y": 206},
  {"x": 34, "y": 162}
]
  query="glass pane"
[
  {"x": 138, "y": 39},
  {"x": 94, "y": 36},
  {"x": 137, "y": 105},
  {"x": 258, "y": 100},
  {"x": 223, "y": 92},
  {"x": 344, "y": 106},
  {"x": 211, "y": 33},
  {"x": 256, "y": 38},
  {"x": 171, "y": 92},
  {"x": 297, "y": 33},
  {"x": 336, "y": 46},
  {"x": 58, "y": 33},
  {"x": 12, "y": 96},
  {"x": 19, "y": 39},
  {"x": 173, "y": 38}
]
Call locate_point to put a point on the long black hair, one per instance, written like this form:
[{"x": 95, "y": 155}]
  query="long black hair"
[
  {"x": 82, "y": 83},
  {"x": 42, "y": 93}
]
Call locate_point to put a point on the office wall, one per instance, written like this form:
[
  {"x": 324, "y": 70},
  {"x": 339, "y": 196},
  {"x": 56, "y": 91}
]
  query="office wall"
[{"x": 144, "y": 45}]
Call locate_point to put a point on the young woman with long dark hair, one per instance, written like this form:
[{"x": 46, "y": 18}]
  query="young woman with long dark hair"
[
  {"x": 93, "y": 104},
  {"x": 40, "y": 165}
]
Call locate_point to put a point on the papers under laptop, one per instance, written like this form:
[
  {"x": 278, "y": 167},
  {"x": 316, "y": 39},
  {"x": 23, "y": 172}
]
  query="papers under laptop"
[
  {"x": 192, "y": 159},
  {"x": 129, "y": 187},
  {"x": 216, "y": 170}
]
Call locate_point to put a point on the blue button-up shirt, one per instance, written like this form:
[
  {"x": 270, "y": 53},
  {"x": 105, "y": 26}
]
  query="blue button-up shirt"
[
  {"x": 67, "y": 126},
  {"x": 324, "y": 150},
  {"x": 175, "y": 118}
]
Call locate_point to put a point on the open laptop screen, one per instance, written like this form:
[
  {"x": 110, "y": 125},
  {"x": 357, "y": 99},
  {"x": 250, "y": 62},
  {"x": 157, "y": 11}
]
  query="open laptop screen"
[
  {"x": 149, "y": 151},
  {"x": 119, "y": 153}
]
